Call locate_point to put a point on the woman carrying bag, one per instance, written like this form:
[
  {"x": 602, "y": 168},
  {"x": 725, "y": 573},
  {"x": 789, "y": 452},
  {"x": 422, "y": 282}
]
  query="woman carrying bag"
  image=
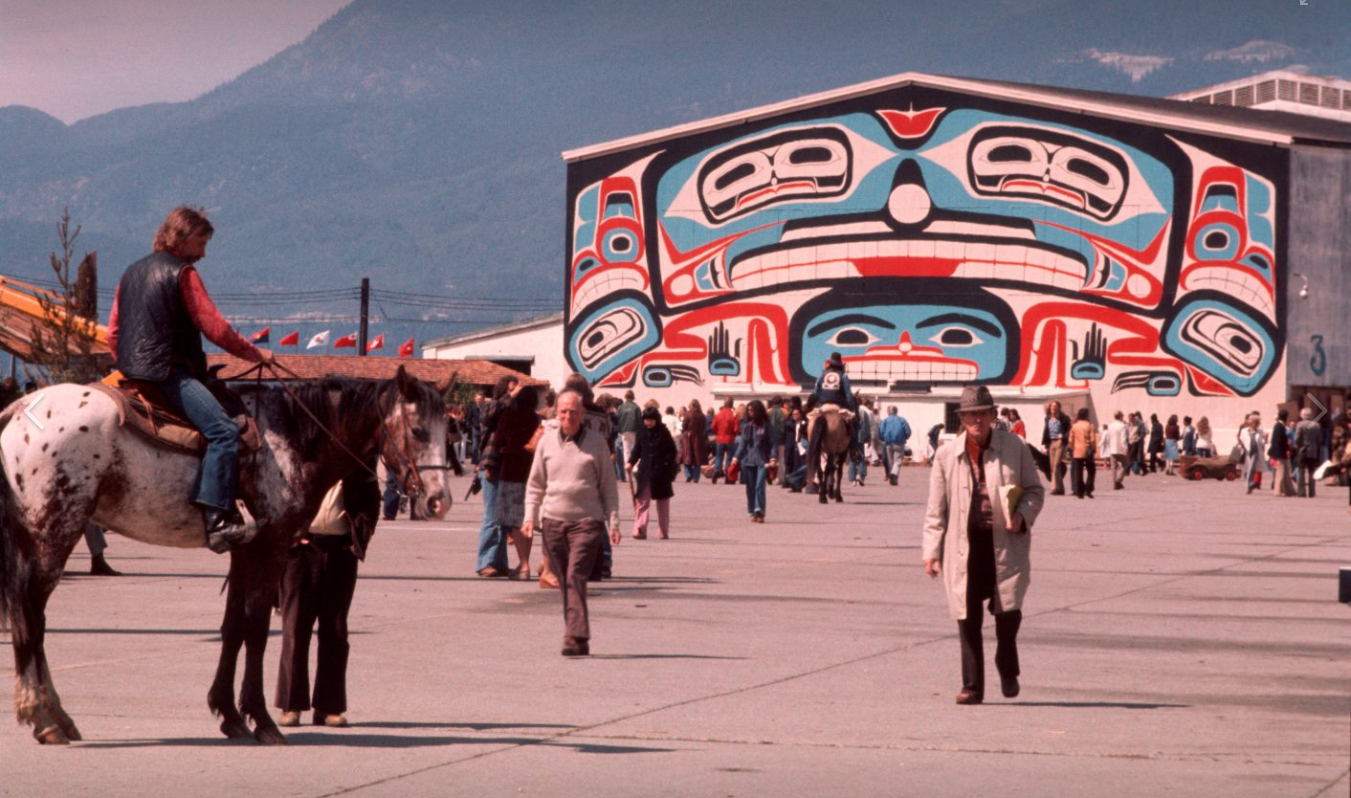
[{"x": 653, "y": 465}]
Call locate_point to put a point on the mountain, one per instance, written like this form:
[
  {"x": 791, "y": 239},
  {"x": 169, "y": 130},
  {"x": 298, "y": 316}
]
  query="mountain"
[{"x": 417, "y": 141}]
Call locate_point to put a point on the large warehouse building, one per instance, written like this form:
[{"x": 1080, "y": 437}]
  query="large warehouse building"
[{"x": 1117, "y": 251}]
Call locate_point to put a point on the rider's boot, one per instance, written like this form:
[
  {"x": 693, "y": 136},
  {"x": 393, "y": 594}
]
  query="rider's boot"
[{"x": 225, "y": 529}]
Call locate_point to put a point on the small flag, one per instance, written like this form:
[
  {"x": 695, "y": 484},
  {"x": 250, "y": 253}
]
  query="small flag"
[
  {"x": 319, "y": 340},
  {"x": 261, "y": 337},
  {"x": 291, "y": 340},
  {"x": 376, "y": 343},
  {"x": 346, "y": 342},
  {"x": 407, "y": 349}
]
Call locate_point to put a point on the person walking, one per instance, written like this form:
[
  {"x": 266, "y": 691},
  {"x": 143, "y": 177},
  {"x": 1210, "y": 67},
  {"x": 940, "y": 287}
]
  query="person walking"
[
  {"x": 671, "y": 421},
  {"x": 1136, "y": 438},
  {"x": 754, "y": 455},
  {"x": 984, "y": 498},
  {"x": 513, "y": 443},
  {"x": 161, "y": 311},
  {"x": 1155, "y": 444},
  {"x": 1280, "y": 451},
  {"x": 492, "y": 542},
  {"x": 693, "y": 442},
  {"x": 1188, "y": 437},
  {"x": 652, "y": 462},
  {"x": 1114, "y": 448},
  {"x": 1016, "y": 424},
  {"x": 895, "y": 431},
  {"x": 866, "y": 424},
  {"x": 1172, "y": 436},
  {"x": 1054, "y": 437},
  {"x": 1308, "y": 450},
  {"x": 1084, "y": 454},
  {"x": 627, "y": 421},
  {"x": 571, "y": 497},
  {"x": 725, "y": 427},
  {"x": 778, "y": 423},
  {"x": 1253, "y": 443},
  {"x": 318, "y": 581}
]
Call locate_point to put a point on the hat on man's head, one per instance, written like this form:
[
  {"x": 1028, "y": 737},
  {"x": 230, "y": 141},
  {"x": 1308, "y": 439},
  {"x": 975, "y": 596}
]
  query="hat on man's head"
[
  {"x": 975, "y": 397},
  {"x": 835, "y": 361}
]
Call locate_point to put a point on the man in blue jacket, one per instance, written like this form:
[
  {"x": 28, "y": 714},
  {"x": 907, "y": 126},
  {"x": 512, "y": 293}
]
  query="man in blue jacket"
[{"x": 895, "y": 432}]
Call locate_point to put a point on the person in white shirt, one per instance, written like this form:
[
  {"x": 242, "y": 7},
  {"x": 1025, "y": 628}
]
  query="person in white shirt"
[{"x": 1114, "y": 448}]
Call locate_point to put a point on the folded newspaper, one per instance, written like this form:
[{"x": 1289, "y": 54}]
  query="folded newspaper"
[{"x": 1009, "y": 496}]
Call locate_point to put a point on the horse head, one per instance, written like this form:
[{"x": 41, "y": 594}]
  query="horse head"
[{"x": 413, "y": 442}]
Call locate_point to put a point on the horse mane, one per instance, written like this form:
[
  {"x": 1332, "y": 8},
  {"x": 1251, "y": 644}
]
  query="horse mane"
[{"x": 355, "y": 397}]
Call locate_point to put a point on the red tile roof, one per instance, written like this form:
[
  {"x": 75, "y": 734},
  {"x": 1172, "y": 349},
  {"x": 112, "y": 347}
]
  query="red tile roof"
[{"x": 439, "y": 372}]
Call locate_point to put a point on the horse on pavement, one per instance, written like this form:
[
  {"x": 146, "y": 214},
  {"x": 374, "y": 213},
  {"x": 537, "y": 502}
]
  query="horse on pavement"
[
  {"x": 835, "y": 444},
  {"x": 77, "y": 464}
]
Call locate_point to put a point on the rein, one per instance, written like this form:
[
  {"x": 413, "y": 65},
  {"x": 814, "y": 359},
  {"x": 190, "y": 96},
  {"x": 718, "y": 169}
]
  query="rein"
[{"x": 411, "y": 468}]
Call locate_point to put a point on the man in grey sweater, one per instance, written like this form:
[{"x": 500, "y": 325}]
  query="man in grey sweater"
[{"x": 571, "y": 497}]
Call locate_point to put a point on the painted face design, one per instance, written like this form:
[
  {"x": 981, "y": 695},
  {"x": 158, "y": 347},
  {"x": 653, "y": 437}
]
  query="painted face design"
[
  {"x": 899, "y": 343},
  {"x": 609, "y": 253}
]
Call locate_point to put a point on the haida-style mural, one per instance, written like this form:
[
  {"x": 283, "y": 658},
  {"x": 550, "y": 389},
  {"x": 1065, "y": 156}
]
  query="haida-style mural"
[{"x": 931, "y": 238}]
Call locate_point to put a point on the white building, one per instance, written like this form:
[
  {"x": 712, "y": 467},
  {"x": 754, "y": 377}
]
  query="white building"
[
  {"x": 1329, "y": 98},
  {"x": 533, "y": 346}
]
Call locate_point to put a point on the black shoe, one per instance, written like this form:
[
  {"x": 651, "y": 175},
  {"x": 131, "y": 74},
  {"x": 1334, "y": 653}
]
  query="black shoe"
[
  {"x": 1057, "y": 493},
  {"x": 1009, "y": 685},
  {"x": 224, "y": 530},
  {"x": 98, "y": 566},
  {"x": 968, "y": 697},
  {"x": 572, "y": 647}
]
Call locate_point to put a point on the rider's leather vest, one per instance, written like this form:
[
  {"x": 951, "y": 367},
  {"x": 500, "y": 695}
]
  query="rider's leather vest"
[{"x": 154, "y": 330}]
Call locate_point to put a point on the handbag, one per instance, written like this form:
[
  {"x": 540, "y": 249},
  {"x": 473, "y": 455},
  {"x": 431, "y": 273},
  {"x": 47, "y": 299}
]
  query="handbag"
[{"x": 734, "y": 471}]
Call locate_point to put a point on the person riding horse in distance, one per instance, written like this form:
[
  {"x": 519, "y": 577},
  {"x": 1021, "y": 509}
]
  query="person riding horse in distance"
[
  {"x": 160, "y": 312},
  {"x": 832, "y": 392}
]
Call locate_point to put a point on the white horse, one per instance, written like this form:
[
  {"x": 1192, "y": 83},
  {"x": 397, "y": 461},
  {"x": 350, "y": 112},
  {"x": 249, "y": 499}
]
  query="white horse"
[{"x": 71, "y": 463}]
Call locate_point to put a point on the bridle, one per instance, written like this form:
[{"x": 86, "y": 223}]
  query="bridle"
[{"x": 402, "y": 459}]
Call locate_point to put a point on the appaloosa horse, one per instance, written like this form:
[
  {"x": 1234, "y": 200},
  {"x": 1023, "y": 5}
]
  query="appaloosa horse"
[
  {"x": 76, "y": 464},
  {"x": 835, "y": 441}
]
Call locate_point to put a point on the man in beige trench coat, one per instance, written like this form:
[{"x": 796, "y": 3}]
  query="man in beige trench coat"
[{"x": 980, "y": 549}]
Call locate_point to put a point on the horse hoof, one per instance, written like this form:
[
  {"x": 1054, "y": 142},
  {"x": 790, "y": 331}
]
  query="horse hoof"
[
  {"x": 52, "y": 735},
  {"x": 236, "y": 730},
  {"x": 71, "y": 732},
  {"x": 272, "y": 736}
]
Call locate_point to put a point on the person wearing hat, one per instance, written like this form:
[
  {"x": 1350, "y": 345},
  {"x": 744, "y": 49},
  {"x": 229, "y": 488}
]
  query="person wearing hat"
[
  {"x": 652, "y": 462},
  {"x": 984, "y": 496},
  {"x": 832, "y": 392}
]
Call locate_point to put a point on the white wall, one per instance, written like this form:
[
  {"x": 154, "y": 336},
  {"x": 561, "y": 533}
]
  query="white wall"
[{"x": 544, "y": 343}]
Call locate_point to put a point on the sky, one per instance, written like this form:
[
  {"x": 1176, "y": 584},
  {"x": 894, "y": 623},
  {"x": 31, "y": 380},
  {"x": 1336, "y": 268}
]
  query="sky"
[{"x": 79, "y": 58}]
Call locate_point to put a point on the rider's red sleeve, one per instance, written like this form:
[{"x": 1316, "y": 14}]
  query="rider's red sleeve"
[
  {"x": 204, "y": 314},
  {"x": 112, "y": 324}
]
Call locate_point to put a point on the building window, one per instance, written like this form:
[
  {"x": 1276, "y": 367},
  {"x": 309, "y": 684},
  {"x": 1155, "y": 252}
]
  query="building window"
[
  {"x": 1224, "y": 98},
  {"x": 1243, "y": 96},
  {"x": 1266, "y": 91},
  {"x": 1331, "y": 97},
  {"x": 1285, "y": 89},
  {"x": 1308, "y": 94}
]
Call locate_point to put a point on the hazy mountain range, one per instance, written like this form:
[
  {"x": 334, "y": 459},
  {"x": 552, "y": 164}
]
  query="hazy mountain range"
[{"x": 417, "y": 141}]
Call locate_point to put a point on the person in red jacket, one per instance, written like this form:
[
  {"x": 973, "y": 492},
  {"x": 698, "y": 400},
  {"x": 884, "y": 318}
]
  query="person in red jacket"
[{"x": 725, "y": 429}]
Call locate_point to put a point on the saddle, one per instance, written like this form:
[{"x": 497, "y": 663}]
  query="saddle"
[{"x": 142, "y": 409}]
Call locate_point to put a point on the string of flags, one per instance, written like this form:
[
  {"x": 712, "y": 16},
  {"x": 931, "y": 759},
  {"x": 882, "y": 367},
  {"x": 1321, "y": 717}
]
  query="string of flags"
[{"x": 319, "y": 340}]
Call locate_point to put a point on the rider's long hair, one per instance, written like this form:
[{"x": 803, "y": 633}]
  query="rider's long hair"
[{"x": 182, "y": 223}]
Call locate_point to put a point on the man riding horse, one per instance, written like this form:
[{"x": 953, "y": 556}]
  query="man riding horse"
[
  {"x": 833, "y": 395},
  {"x": 160, "y": 312}
]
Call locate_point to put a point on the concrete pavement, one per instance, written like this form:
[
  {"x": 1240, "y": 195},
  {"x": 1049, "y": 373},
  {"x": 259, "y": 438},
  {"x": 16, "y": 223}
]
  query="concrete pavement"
[{"x": 1180, "y": 639}]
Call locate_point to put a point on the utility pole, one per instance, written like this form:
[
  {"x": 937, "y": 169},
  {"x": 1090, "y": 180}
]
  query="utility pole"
[{"x": 365, "y": 315}]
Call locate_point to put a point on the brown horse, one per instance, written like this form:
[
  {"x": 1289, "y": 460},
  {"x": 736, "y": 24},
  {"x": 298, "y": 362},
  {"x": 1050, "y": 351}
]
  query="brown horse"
[
  {"x": 834, "y": 453},
  {"x": 73, "y": 463}
]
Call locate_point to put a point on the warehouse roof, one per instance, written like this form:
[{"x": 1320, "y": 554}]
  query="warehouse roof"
[
  {"x": 1275, "y": 127},
  {"x": 438, "y": 372}
]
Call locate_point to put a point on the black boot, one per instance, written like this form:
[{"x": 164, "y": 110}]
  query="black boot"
[
  {"x": 224, "y": 530},
  {"x": 98, "y": 566}
]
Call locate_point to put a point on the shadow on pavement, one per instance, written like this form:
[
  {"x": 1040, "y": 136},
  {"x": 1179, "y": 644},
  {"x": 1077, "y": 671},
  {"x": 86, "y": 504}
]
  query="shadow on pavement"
[
  {"x": 400, "y": 724},
  {"x": 1091, "y": 705},
  {"x": 663, "y": 656},
  {"x": 358, "y": 740}
]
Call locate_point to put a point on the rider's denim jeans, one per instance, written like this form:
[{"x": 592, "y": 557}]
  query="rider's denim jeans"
[
  {"x": 219, "y": 476},
  {"x": 492, "y": 544}
]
